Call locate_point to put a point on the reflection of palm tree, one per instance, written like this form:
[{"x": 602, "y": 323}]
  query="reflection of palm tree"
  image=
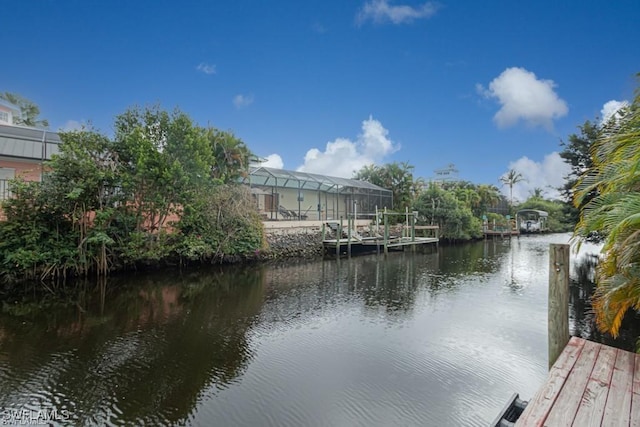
[
  {"x": 614, "y": 214},
  {"x": 511, "y": 178}
]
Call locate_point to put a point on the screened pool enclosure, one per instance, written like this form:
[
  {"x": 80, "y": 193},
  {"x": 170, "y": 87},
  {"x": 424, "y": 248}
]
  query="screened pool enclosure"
[{"x": 283, "y": 194}]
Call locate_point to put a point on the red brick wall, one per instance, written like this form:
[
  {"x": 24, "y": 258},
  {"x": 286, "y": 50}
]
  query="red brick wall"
[{"x": 30, "y": 171}]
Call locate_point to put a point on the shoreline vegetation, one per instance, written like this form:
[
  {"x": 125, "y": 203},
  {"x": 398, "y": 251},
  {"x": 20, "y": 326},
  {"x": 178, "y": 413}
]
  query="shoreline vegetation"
[{"x": 164, "y": 191}]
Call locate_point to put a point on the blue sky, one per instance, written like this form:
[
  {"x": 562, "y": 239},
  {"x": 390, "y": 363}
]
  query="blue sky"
[{"x": 327, "y": 86}]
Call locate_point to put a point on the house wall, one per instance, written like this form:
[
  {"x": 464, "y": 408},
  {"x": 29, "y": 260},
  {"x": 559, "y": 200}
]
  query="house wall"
[
  {"x": 8, "y": 117},
  {"x": 28, "y": 170},
  {"x": 332, "y": 206}
]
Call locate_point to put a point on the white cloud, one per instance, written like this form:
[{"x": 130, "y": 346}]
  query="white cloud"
[
  {"x": 206, "y": 68},
  {"x": 342, "y": 157},
  {"x": 241, "y": 101},
  {"x": 547, "y": 175},
  {"x": 523, "y": 96},
  {"x": 610, "y": 108},
  {"x": 273, "y": 161},
  {"x": 71, "y": 125},
  {"x": 380, "y": 11}
]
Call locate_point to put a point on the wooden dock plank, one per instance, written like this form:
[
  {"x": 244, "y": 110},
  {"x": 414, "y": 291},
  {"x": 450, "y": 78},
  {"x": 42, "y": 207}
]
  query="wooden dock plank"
[
  {"x": 594, "y": 398},
  {"x": 539, "y": 407},
  {"x": 635, "y": 398},
  {"x": 618, "y": 408},
  {"x": 636, "y": 375},
  {"x": 564, "y": 410}
]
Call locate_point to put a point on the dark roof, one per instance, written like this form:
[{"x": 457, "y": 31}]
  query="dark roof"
[{"x": 27, "y": 143}]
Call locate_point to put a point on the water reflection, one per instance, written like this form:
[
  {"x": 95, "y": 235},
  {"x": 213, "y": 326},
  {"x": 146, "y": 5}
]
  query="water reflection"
[
  {"x": 582, "y": 318},
  {"x": 440, "y": 337},
  {"x": 140, "y": 354}
]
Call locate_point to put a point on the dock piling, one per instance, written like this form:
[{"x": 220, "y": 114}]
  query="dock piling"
[{"x": 558, "y": 300}]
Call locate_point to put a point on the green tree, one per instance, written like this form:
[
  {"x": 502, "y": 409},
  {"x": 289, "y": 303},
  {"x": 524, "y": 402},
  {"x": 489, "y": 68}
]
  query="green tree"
[
  {"x": 166, "y": 160},
  {"x": 29, "y": 110},
  {"x": 577, "y": 154},
  {"x": 511, "y": 178},
  {"x": 230, "y": 156},
  {"x": 146, "y": 197},
  {"x": 438, "y": 206},
  {"x": 537, "y": 193},
  {"x": 489, "y": 198},
  {"x": 609, "y": 196},
  {"x": 397, "y": 177}
]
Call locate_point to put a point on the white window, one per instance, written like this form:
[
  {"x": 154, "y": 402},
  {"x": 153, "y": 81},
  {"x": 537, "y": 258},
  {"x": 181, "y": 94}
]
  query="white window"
[
  {"x": 5, "y": 175},
  {"x": 4, "y": 117}
]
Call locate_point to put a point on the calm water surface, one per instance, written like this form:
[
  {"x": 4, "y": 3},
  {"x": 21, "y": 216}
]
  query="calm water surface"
[{"x": 440, "y": 338}]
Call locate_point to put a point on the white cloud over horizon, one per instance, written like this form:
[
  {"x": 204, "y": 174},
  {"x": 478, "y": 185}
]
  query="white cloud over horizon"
[
  {"x": 547, "y": 174},
  {"x": 342, "y": 157},
  {"x": 241, "y": 101},
  {"x": 206, "y": 68},
  {"x": 381, "y": 11},
  {"x": 524, "y": 97},
  {"x": 610, "y": 108},
  {"x": 273, "y": 161}
]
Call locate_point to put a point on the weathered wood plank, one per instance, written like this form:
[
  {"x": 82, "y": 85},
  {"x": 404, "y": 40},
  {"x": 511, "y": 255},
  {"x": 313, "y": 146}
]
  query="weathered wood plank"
[
  {"x": 635, "y": 398},
  {"x": 594, "y": 399},
  {"x": 558, "y": 312},
  {"x": 618, "y": 408},
  {"x": 538, "y": 408},
  {"x": 566, "y": 406}
]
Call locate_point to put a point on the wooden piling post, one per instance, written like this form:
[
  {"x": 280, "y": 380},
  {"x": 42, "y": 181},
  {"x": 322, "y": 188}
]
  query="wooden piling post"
[
  {"x": 377, "y": 232},
  {"x": 338, "y": 238},
  {"x": 349, "y": 220},
  {"x": 558, "y": 300},
  {"x": 414, "y": 218},
  {"x": 386, "y": 232}
]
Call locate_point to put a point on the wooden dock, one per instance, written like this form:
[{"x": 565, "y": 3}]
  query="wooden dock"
[
  {"x": 379, "y": 242},
  {"x": 590, "y": 384},
  {"x": 386, "y": 241}
]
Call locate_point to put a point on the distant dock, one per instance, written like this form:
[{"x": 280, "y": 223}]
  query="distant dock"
[{"x": 347, "y": 239}]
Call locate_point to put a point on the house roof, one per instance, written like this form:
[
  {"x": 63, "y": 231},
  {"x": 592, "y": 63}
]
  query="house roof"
[
  {"x": 534, "y": 212},
  {"x": 28, "y": 143},
  {"x": 260, "y": 175}
]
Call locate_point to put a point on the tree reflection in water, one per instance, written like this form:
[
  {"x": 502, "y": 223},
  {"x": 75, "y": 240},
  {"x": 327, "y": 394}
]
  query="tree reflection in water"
[
  {"x": 581, "y": 316},
  {"x": 142, "y": 354}
]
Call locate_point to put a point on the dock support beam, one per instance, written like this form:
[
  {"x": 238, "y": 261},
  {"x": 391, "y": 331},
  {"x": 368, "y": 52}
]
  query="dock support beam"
[
  {"x": 349, "y": 220},
  {"x": 386, "y": 232},
  {"x": 558, "y": 300},
  {"x": 338, "y": 236}
]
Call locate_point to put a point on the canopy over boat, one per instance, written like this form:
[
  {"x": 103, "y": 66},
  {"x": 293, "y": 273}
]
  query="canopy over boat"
[{"x": 533, "y": 213}]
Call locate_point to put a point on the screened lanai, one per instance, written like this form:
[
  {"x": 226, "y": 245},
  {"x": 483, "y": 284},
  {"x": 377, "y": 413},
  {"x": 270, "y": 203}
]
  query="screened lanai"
[{"x": 283, "y": 194}]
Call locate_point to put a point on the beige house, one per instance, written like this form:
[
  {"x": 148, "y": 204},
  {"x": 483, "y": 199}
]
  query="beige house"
[{"x": 282, "y": 194}]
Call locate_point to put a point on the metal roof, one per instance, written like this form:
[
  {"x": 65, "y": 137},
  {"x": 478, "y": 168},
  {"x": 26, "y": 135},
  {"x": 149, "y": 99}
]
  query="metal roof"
[
  {"x": 27, "y": 143},
  {"x": 261, "y": 175},
  {"x": 533, "y": 211}
]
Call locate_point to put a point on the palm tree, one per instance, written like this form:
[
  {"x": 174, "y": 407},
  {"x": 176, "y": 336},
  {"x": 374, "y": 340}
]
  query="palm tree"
[
  {"x": 537, "y": 193},
  {"x": 615, "y": 214},
  {"x": 230, "y": 156},
  {"x": 511, "y": 178}
]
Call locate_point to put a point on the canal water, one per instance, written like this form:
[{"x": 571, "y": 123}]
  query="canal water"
[{"x": 436, "y": 338}]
